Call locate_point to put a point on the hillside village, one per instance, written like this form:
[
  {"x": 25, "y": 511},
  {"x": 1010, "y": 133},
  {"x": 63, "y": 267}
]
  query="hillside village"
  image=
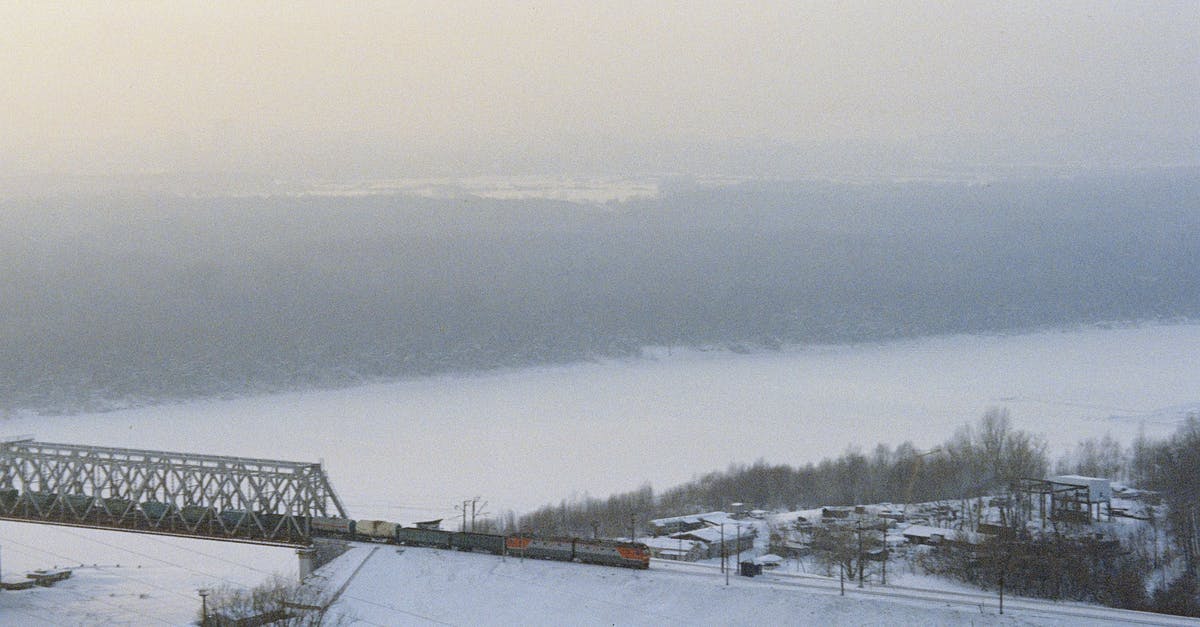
[{"x": 956, "y": 539}]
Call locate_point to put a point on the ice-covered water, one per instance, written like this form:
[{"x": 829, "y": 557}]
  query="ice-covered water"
[{"x": 522, "y": 438}]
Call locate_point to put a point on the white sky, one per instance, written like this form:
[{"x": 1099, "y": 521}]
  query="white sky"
[{"x": 401, "y": 87}]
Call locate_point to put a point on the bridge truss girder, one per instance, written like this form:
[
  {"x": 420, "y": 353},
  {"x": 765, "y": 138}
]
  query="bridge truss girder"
[{"x": 222, "y": 497}]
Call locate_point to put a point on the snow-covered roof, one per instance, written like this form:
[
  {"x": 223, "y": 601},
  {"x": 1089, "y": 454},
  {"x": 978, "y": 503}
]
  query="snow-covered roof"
[
  {"x": 1099, "y": 489},
  {"x": 716, "y": 518},
  {"x": 769, "y": 558},
  {"x": 713, "y": 534},
  {"x": 926, "y": 531},
  {"x": 689, "y": 519},
  {"x": 1071, "y": 479},
  {"x": 665, "y": 543}
]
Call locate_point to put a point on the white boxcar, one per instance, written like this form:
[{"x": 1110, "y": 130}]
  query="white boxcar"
[{"x": 376, "y": 529}]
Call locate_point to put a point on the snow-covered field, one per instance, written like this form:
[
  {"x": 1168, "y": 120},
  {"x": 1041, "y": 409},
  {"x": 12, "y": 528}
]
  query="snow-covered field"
[
  {"x": 412, "y": 586},
  {"x": 409, "y": 450}
]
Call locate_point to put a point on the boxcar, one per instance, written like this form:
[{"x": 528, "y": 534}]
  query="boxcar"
[
  {"x": 43, "y": 501},
  {"x": 271, "y": 521},
  {"x": 415, "y": 536},
  {"x": 78, "y": 503},
  {"x": 381, "y": 530},
  {"x": 489, "y": 542},
  {"x": 156, "y": 510},
  {"x": 116, "y": 506},
  {"x": 193, "y": 514},
  {"x": 336, "y": 526},
  {"x": 232, "y": 518}
]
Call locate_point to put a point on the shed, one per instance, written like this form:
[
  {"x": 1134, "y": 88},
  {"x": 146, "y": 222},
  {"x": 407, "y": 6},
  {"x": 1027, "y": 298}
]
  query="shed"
[
  {"x": 924, "y": 534},
  {"x": 1099, "y": 489}
]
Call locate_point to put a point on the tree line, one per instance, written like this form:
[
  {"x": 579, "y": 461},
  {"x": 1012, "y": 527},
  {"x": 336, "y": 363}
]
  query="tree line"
[
  {"x": 984, "y": 458},
  {"x": 976, "y": 460},
  {"x": 1128, "y": 570}
]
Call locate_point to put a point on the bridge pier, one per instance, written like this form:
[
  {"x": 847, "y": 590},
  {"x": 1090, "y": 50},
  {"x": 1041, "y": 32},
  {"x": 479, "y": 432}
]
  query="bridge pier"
[{"x": 307, "y": 561}]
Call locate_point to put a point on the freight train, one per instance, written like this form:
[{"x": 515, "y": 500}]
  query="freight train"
[
  {"x": 595, "y": 551},
  {"x": 237, "y": 524}
]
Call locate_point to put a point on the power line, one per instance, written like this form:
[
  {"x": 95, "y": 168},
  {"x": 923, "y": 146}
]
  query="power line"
[
  {"x": 97, "y": 599},
  {"x": 392, "y": 609},
  {"x": 159, "y": 559},
  {"x": 208, "y": 555},
  {"x": 69, "y": 559}
]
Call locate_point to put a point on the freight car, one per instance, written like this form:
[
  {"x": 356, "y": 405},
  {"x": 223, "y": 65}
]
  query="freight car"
[
  {"x": 377, "y": 530},
  {"x": 487, "y": 542},
  {"x": 332, "y": 526},
  {"x": 415, "y": 536}
]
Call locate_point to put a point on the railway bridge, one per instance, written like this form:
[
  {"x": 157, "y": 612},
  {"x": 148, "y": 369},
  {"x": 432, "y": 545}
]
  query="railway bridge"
[{"x": 234, "y": 499}]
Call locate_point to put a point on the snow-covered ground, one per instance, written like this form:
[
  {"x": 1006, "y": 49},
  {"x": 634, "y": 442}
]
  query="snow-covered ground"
[
  {"x": 413, "y": 586},
  {"x": 410, "y": 450}
]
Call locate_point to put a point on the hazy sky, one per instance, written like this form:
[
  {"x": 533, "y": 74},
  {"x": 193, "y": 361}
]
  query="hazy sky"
[{"x": 413, "y": 88}]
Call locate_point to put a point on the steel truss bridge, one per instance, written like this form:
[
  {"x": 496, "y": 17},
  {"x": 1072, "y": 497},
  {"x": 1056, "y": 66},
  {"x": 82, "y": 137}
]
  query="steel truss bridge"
[{"x": 235, "y": 499}]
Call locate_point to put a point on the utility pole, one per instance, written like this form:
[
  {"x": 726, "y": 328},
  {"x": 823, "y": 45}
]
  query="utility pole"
[
  {"x": 737, "y": 546},
  {"x": 886, "y": 554},
  {"x": 722, "y": 547},
  {"x": 633, "y": 527},
  {"x": 858, "y": 527},
  {"x": 203, "y": 592}
]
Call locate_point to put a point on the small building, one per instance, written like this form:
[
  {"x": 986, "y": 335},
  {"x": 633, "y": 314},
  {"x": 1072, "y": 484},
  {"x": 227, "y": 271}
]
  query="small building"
[
  {"x": 48, "y": 578},
  {"x": 1071, "y": 498},
  {"x": 792, "y": 548},
  {"x": 835, "y": 512},
  {"x": 734, "y": 539},
  {"x": 676, "y": 549},
  {"x": 1099, "y": 492},
  {"x": 924, "y": 534},
  {"x": 677, "y": 524}
]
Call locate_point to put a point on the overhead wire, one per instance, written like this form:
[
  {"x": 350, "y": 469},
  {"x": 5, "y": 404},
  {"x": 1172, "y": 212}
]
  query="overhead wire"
[
  {"x": 237, "y": 584},
  {"x": 159, "y": 559},
  {"x": 77, "y": 593}
]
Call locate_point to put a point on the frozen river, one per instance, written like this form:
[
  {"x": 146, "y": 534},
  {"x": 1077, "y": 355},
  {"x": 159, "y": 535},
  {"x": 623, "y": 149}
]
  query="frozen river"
[{"x": 522, "y": 438}]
